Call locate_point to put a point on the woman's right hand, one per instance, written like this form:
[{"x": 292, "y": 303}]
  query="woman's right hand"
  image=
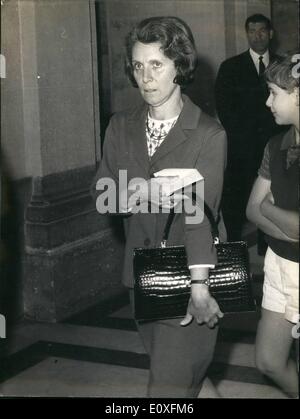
[{"x": 203, "y": 307}]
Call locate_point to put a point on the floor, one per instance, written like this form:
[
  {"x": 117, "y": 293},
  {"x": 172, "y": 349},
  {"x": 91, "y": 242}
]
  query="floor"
[{"x": 98, "y": 353}]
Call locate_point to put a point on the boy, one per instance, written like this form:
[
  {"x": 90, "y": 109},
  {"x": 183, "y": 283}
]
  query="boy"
[{"x": 273, "y": 207}]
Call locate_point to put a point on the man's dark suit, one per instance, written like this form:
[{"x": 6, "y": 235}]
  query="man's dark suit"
[{"x": 240, "y": 100}]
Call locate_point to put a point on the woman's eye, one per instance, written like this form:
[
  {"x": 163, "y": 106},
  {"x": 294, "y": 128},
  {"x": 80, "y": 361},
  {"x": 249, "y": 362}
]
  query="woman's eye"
[
  {"x": 137, "y": 66},
  {"x": 157, "y": 64}
]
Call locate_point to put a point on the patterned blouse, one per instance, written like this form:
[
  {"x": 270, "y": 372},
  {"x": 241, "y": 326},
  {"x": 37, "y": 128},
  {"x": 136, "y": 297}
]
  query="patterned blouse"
[{"x": 156, "y": 132}]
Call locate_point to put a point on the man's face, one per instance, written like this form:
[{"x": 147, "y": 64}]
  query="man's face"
[{"x": 259, "y": 37}]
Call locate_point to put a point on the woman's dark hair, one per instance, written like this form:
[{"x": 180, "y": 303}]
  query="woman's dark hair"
[
  {"x": 177, "y": 43},
  {"x": 284, "y": 72}
]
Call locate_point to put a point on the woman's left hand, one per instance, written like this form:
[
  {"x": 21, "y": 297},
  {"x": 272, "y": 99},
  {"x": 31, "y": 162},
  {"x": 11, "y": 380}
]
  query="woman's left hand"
[
  {"x": 203, "y": 307},
  {"x": 160, "y": 193},
  {"x": 171, "y": 201}
]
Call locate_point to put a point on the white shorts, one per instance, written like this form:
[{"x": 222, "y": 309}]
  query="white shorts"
[{"x": 281, "y": 286}]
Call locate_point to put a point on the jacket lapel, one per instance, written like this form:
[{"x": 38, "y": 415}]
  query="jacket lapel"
[
  {"x": 188, "y": 119},
  {"x": 137, "y": 138},
  {"x": 175, "y": 137},
  {"x": 249, "y": 64}
]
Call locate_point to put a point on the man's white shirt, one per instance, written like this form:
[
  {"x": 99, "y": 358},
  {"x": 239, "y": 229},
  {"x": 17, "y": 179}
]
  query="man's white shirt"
[{"x": 255, "y": 58}]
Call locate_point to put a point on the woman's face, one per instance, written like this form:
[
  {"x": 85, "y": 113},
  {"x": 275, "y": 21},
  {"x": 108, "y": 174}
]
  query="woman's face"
[{"x": 154, "y": 74}]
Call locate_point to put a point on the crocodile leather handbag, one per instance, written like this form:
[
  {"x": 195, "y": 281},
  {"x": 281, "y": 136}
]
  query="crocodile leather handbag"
[{"x": 162, "y": 277}]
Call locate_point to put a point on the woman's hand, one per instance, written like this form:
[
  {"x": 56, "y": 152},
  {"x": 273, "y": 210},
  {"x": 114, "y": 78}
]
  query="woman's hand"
[
  {"x": 159, "y": 189},
  {"x": 171, "y": 201},
  {"x": 138, "y": 192},
  {"x": 203, "y": 307},
  {"x": 150, "y": 191}
]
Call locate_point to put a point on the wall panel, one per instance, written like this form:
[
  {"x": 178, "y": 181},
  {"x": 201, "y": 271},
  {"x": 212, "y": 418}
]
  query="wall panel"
[{"x": 218, "y": 28}]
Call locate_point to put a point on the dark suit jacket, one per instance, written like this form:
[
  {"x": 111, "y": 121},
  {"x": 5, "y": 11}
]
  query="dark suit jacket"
[
  {"x": 240, "y": 100},
  {"x": 196, "y": 141}
]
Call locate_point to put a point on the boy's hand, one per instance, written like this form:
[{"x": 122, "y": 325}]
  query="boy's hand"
[
  {"x": 269, "y": 197},
  {"x": 267, "y": 201}
]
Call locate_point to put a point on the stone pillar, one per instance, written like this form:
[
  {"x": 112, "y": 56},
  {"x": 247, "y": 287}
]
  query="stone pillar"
[{"x": 70, "y": 250}]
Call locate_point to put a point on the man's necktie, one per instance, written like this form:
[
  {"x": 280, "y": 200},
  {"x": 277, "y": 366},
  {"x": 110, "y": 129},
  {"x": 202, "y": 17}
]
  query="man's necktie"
[{"x": 261, "y": 67}]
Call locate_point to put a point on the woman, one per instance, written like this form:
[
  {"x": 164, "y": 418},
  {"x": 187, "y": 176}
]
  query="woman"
[{"x": 169, "y": 131}]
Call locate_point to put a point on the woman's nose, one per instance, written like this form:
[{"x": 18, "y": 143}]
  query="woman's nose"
[
  {"x": 147, "y": 74},
  {"x": 269, "y": 101}
]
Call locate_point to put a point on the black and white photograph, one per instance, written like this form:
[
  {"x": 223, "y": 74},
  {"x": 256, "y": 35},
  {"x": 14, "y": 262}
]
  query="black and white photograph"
[{"x": 149, "y": 202}]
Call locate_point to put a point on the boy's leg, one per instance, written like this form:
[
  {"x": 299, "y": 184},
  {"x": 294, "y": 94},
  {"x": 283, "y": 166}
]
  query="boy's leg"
[
  {"x": 274, "y": 334},
  {"x": 273, "y": 345}
]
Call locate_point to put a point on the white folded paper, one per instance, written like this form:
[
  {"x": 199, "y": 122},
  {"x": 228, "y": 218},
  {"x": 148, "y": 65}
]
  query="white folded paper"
[{"x": 174, "y": 179}]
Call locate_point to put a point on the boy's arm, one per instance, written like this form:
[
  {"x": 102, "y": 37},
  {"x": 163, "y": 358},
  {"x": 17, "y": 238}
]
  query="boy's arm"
[
  {"x": 286, "y": 221},
  {"x": 261, "y": 188}
]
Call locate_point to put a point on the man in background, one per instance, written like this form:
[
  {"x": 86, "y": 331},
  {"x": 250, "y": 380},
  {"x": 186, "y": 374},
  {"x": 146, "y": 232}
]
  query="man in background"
[{"x": 241, "y": 94}]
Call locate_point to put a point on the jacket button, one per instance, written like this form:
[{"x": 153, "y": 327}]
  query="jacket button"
[{"x": 147, "y": 242}]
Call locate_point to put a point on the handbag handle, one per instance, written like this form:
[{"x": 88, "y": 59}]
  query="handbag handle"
[{"x": 207, "y": 212}]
